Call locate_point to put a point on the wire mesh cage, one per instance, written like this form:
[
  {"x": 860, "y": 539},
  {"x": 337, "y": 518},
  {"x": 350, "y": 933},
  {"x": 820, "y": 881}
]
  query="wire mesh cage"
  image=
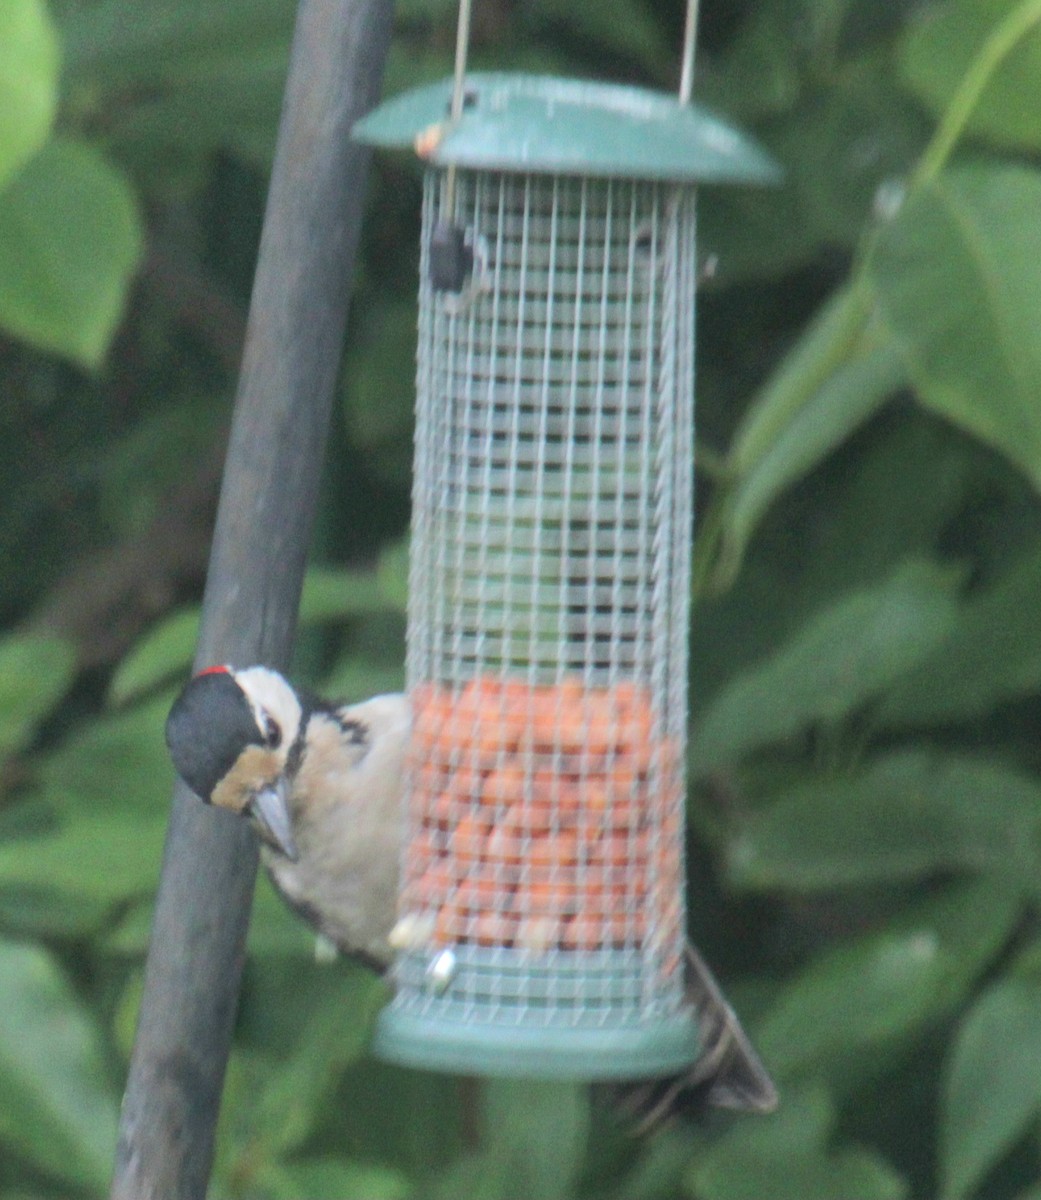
[{"x": 541, "y": 907}]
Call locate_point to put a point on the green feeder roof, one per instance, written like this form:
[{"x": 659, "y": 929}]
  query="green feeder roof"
[{"x": 544, "y": 124}]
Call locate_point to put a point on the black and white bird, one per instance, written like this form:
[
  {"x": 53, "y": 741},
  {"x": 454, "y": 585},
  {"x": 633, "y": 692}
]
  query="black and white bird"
[{"x": 322, "y": 784}]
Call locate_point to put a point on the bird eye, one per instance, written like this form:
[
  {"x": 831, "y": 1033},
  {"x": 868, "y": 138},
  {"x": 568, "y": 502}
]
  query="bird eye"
[{"x": 272, "y": 733}]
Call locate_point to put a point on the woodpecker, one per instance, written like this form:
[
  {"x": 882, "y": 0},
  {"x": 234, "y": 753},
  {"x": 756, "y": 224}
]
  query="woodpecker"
[{"x": 321, "y": 782}]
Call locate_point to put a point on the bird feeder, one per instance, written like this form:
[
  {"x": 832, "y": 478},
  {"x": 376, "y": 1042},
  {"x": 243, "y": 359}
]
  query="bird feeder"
[{"x": 541, "y": 912}]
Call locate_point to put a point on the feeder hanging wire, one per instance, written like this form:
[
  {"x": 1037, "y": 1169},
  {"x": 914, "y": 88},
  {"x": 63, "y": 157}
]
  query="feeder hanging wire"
[
  {"x": 690, "y": 38},
  {"x": 462, "y": 45}
]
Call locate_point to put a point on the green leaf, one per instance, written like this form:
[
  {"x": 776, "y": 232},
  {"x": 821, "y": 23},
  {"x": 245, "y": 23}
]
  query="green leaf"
[
  {"x": 112, "y": 763},
  {"x": 33, "y": 842},
  {"x": 273, "y": 927},
  {"x": 161, "y": 653},
  {"x": 235, "y": 108},
  {"x": 127, "y": 1011},
  {"x": 956, "y": 279},
  {"x": 417, "y": 1124},
  {"x": 832, "y": 339},
  {"x": 58, "y": 1110},
  {"x": 937, "y": 52},
  {"x": 329, "y": 594},
  {"x": 656, "y": 1174},
  {"x": 624, "y": 27},
  {"x": 839, "y": 660},
  {"x": 132, "y": 933},
  {"x": 380, "y": 394},
  {"x": 991, "y": 655},
  {"x": 334, "y": 594},
  {"x": 539, "y": 1128},
  {"x": 310, "y": 1177},
  {"x": 358, "y": 678},
  {"x": 442, "y": 11},
  {"x": 841, "y": 403},
  {"x": 992, "y": 1089},
  {"x": 888, "y": 501},
  {"x": 903, "y": 816},
  {"x": 295, "y": 1096},
  {"x": 35, "y": 672},
  {"x": 29, "y": 63},
  {"x": 144, "y": 467},
  {"x": 70, "y": 240},
  {"x": 838, "y": 1015},
  {"x": 533, "y": 1143},
  {"x": 758, "y": 75},
  {"x": 840, "y": 140},
  {"x": 475, "y": 1176},
  {"x": 154, "y": 43},
  {"x": 393, "y": 573},
  {"x": 786, "y": 1156},
  {"x": 973, "y": 920},
  {"x": 181, "y": 74},
  {"x": 864, "y": 993},
  {"x": 103, "y": 859}
]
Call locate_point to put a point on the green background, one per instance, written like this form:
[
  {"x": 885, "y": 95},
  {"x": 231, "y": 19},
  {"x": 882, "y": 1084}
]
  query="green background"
[{"x": 865, "y": 808}]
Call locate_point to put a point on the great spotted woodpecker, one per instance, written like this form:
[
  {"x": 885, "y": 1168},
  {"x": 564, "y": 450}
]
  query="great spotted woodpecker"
[{"x": 322, "y": 784}]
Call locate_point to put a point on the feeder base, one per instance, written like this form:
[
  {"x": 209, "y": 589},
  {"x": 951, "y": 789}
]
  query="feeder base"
[{"x": 600, "y": 1053}]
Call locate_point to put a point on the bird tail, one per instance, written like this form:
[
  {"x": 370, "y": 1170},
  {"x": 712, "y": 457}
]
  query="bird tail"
[{"x": 728, "y": 1072}]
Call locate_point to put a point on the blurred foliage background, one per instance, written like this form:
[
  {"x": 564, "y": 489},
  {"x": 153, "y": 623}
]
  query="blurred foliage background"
[{"x": 865, "y": 807}]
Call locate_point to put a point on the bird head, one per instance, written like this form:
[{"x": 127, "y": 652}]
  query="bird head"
[{"x": 231, "y": 735}]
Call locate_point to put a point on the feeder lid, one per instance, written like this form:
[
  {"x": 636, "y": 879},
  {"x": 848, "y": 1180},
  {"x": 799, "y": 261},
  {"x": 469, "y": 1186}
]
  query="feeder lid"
[{"x": 567, "y": 126}]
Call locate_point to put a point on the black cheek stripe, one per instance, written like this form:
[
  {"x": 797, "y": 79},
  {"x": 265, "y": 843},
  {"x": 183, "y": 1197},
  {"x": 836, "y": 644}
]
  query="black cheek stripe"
[{"x": 295, "y": 753}]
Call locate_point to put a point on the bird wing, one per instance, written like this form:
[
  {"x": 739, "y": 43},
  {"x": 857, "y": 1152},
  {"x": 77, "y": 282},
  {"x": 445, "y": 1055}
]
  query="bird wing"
[
  {"x": 729, "y": 1064},
  {"x": 728, "y": 1072}
]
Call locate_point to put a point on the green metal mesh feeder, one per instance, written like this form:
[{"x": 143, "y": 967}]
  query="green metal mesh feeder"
[{"x": 541, "y": 909}]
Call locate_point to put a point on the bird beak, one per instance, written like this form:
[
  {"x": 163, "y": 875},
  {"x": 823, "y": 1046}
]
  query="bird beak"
[{"x": 269, "y": 809}]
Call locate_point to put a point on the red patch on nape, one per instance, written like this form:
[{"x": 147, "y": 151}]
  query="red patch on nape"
[{"x": 221, "y": 670}]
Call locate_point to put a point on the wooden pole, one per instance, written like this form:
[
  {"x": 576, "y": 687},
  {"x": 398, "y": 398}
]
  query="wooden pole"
[{"x": 290, "y": 363}]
